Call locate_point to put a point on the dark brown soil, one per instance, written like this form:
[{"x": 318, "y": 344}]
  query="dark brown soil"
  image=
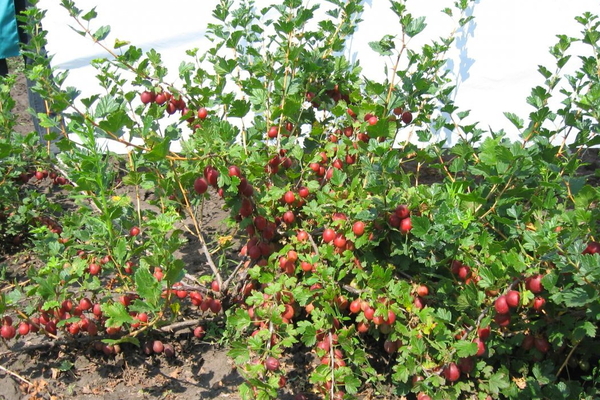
[{"x": 24, "y": 124}]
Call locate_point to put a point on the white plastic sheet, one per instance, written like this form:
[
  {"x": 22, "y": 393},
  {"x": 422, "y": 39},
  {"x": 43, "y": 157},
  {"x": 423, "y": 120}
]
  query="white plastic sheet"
[{"x": 494, "y": 60}]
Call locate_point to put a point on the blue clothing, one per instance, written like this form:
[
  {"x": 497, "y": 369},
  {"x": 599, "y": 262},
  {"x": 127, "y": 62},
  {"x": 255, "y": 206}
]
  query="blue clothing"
[{"x": 9, "y": 36}]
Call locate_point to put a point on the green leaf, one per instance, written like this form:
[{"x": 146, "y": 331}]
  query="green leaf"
[
  {"x": 398, "y": 8},
  {"x": 120, "y": 250},
  {"x": 90, "y": 15},
  {"x": 246, "y": 392},
  {"x": 175, "y": 271},
  {"x": 185, "y": 68},
  {"x": 576, "y": 297},
  {"x": 498, "y": 382},
  {"x": 351, "y": 383},
  {"x": 466, "y": 20},
  {"x": 470, "y": 298},
  {"x": 120, "y": 43},
  {"x": 585, "y": 197},
  {"x": 402, "y": 373},
  {"x": 239, "y": 108},
  {"x": 13, "y": 297},
  {"x": 444, "y": 315},
  {"x": 420, "y": 225},
  {"x": 488, "y": 278},
  {"x": 115, "y": 122},
  {"x": 45, "y": 121},
  {"x": 106, "y": 106},
  {"x": 465, "y": 348},
  {"x": 514, "y": 118},
  {"x": 148, "y": 287},
  {"x": 240, "y": 320},
  {"x": 47, "y": 285},
  {"x": 82, "y": 33},
  {"x": 49, "y": 305},
  {"x": 584, "y": 328},
  {"x": 239, "y": 352},
  {"x": 117, "y": 314},
  {"x": 123, "y": 339},
  {"x": 544, "y": 71},
  {"x": 543, "y": 372},
  {"x": 159, "y": 151},
  {"x": 338, "y": 177},
  {"x": 415, "y": 26},
  {"x": 379, "y": 277},
  {"x": 259, "y": 96},
  {"x": 65, "y": 366},
  {"x": 224, "y": 66},
  {"x": 101, "y": 33},
  {"x": 5, "y": 150},
  {"x": 385, "y": 46}
]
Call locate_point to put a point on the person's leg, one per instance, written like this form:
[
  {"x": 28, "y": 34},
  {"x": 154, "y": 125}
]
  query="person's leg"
[
  {"x": 20, "y": 6},
  {"x": 3, "y": 67}
]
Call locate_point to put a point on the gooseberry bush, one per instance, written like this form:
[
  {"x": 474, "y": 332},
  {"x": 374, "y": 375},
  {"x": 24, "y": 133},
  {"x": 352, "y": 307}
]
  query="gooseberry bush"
[{"x": 411, "y": 267}]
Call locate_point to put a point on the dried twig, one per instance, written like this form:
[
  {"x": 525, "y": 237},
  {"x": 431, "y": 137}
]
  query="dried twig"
[
  {"x": 234, "y": 273},
  {"x": 567, "y": 359},
  {"x": 180, "y": 325},
  {"x": 15, "y": 375}
]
